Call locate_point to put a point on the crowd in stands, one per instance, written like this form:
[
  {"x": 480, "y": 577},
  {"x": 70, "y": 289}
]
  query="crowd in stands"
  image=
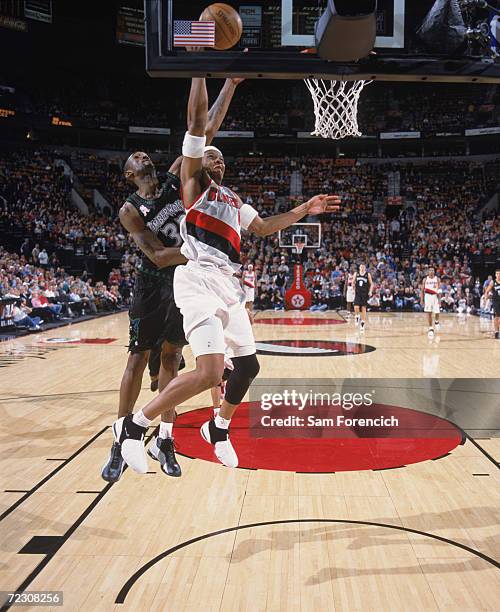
[
  {"x": 32, "y": 293},
  {"x": 437, "y": 225},
  {"x": 35, "y": 195}
]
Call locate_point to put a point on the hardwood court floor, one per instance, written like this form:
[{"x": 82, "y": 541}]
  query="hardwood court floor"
[{"x": 420, "y": 537}]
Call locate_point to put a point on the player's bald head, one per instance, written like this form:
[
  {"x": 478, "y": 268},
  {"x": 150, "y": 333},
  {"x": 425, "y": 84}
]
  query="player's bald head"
[{"x": 137, "y": 165}]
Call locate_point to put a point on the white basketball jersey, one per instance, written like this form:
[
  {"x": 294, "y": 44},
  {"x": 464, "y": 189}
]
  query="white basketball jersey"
[
  {"x": 249, "y": 279},
  {"x": 431, "y": 285},
  {"x": 350, "y": 280},
  {"x": 211, "y": 229}
]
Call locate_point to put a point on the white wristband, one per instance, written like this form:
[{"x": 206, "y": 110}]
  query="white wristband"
[{"x": 193, "y": 146}]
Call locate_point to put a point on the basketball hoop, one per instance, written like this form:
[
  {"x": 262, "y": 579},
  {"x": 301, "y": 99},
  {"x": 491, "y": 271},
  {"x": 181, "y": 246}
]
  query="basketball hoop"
[
  {"x": 299, "y": 247},
  {"x": 335, "y": 107}
]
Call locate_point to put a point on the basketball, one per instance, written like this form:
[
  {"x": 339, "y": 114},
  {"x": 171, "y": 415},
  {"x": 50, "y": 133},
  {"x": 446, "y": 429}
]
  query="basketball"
[{"x": 228, "y": 25}]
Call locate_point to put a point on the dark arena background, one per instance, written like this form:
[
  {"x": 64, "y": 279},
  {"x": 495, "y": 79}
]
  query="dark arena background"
[{"x": 383, "y": 494}]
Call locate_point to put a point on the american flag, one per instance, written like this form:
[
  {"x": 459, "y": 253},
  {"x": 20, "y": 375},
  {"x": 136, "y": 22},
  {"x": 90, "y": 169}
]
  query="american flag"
[{"x": 194, "y": 33}]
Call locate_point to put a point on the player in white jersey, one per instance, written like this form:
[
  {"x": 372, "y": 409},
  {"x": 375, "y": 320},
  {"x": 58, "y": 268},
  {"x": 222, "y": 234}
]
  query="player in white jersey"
[
  {"x": 350, "y": 291},
  {"x": 430, "y": 299},
  {"x": 249, "y": 288},
  {"x": 209, "y": 296}
]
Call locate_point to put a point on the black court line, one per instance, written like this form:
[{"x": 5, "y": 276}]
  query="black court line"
[
  {"x": 22, "y": 499},
  {"x": 50, "y": 459},
  {"x": 441, "y": 457},
  {"x": 15, "y": 491},
  {"x": 480, "y": 474},
  {"x": 485, "y": 453},
  {"x": 120, "y": 598},
  {"x": 90, "y": 492},
  {"x": 59, "y": 541}
]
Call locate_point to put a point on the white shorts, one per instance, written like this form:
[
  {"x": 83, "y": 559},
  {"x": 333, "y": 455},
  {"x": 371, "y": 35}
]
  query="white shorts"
[
  {"x": 249, "y": 294},
  {"x": 350, "y": 294},
  {"x": 213, "y": 307},
  {"x": 431, "y": 303}
]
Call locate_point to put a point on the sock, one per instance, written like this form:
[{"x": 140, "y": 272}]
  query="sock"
[
  {"x": 141, "y": 419},
  {"x": 216, "y": 411},
  {"x": 222, "y": 422},
  {"x": 165, "y": 430}
]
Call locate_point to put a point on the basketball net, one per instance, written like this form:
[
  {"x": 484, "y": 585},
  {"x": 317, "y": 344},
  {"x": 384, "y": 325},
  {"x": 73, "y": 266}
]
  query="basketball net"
[
  {"x": 299, "y": 247},
  {"x": 335, "y": 107}
]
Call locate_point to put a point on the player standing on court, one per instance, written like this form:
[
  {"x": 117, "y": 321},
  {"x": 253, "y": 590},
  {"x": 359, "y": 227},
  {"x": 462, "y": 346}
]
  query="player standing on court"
[
  {"x": 152, "y": 216},
  {"x": 209, "y": 296},
  {"x": 430, "y": 299},
  {"x": 349, "y": 289},
  {"x": 362, "y": 290},
  {"x": 494, "y": 289},
  {"x": 249, "y": 287}
]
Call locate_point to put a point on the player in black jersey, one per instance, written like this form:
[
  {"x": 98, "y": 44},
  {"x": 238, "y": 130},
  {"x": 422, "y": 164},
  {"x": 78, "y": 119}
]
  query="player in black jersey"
[
  {"x": 362, "y": 290},
  {"x": 494, "y": 289},
  {"x": 152, "y": 215}
]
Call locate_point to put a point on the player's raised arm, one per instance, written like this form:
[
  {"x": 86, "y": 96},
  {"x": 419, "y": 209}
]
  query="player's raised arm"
[
  {"x": 317, "y": 205},
  {"x": 216, "y": 116},
  {"x": 149, "y": 244},
  {"x": 194, "y": 142},
  {"x": 218, "y": 110}
]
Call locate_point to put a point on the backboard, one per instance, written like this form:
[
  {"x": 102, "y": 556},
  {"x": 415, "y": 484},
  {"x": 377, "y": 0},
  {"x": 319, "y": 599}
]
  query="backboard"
[
  {"x": 276, "y": 31},
  {"x": 308, "y": 234}
]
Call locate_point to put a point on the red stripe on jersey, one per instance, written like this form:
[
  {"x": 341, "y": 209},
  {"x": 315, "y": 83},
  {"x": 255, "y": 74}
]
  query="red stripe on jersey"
[{"x": 214, "y": 225}]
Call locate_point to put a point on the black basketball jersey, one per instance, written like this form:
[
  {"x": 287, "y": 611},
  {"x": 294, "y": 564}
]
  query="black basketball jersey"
[
  {"x": 162, "y": 215},
  {"x": 496, "y": 292},
  {"x": 362, "y": 285}
]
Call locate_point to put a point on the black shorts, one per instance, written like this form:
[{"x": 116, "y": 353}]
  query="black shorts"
[
  {"x": 496, "y": 309},
  {"x": 154, "y": 316},
  {"x": 360, "y": 300}
]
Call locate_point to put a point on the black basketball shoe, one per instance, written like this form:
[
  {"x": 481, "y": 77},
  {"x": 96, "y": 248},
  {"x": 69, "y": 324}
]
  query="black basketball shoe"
[
  {"x": 163, "y": 450},
  {"x": 113, "y": 468}
]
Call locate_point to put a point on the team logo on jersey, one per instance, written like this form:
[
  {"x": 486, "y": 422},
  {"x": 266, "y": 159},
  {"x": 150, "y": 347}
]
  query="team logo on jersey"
[
  {"x": 311, "y": 348},
  {"x": 144, "y": 210}
]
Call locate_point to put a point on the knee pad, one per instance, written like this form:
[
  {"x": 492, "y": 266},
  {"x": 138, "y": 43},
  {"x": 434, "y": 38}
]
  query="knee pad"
[{"x": 245, "y": 370}]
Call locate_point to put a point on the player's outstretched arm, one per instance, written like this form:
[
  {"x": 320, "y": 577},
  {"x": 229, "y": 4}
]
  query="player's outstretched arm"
[
  {"x": 218, "y": 110},
  {"x": 194, "y": 141},
  {"x": 149, "y": 244},
  {"x": 317, "y": 205},
  {"x": 216, "y": 116}
]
